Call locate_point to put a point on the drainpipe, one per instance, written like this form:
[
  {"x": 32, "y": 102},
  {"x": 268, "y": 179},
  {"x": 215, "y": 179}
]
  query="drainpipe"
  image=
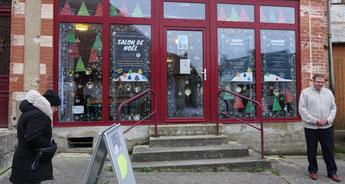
[{"x": 330, "y": 54}]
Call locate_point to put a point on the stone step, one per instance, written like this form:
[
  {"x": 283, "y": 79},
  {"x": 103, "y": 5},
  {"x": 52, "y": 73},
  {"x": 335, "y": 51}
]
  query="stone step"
[
  {"x": 191, "y": 140},
  {"x": 228, "y": 164},
  {"x": 185, "y": 129},
  {"x": 144, "y": 153}
]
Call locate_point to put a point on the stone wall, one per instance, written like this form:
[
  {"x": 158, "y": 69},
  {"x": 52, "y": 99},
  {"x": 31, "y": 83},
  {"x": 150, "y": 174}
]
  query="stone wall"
[{"x": 8, "y": 142}]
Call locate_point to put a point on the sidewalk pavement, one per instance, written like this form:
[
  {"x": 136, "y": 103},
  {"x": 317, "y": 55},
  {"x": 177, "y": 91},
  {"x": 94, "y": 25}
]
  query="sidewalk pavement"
[{"x": 70, "y": 169}]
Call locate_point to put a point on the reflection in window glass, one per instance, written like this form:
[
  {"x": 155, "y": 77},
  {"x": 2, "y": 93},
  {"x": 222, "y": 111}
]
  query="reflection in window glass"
[
  {"x": 279, "y": 90},
  {"x": 81, "y": 7},
  {"x": 236, "y": 60},
  {"x": 126, "y": 8},
  {"x": 234, "y": 12},
  {"x": 80, "y": 72},
  {"x": 275, "y": 14},
  {"x": 130, "y": 70},
  {"x": 174, "y": 10}
]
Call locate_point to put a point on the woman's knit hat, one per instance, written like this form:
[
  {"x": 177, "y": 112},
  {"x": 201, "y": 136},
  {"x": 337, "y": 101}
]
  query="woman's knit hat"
[{"x": 53, "y": 97}]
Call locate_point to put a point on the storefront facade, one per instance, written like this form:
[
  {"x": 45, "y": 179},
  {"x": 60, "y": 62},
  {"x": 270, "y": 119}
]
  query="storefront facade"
[{"x": 104, "y": 52}]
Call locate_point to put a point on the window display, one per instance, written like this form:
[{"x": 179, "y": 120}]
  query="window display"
[{"x": 235, "y": 12}]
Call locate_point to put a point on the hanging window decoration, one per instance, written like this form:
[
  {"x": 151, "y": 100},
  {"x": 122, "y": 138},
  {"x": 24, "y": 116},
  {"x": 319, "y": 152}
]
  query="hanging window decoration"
[
  {"x": 275, "y": 14},
  {"x": 130, "y": 70},
  {"x": 80, "y": 72},
  {"x": 237, "y": 71},
  {"x": 235, "y": 12},
  {"x": 125, "y": 8},
  {"x": 279, "y": 88},
  {"x": 81, "y": 7}
]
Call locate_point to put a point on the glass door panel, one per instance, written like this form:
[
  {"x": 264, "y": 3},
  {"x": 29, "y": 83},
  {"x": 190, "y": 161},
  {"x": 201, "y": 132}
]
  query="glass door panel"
[{"x": 185, "y": 74}]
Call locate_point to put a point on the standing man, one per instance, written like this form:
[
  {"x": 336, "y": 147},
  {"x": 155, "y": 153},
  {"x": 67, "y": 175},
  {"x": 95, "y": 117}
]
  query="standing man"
[{"x": 317, "y": 109}]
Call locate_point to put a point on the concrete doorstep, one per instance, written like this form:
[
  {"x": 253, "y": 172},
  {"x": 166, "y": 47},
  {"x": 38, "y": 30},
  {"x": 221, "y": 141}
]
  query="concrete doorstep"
[{"x": 71, "y": 168}]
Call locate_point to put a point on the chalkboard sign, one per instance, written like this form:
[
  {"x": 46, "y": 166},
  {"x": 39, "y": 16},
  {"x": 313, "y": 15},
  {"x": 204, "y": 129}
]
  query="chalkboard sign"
[{"x": 112, "y": 142}]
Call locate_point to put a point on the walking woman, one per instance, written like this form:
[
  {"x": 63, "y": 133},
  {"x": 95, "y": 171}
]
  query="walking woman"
[{"x": 34, "y": 131}]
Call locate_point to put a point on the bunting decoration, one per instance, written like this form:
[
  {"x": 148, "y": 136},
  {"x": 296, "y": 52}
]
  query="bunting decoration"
[
  {"x": 93, "y": 56},
  {"x": 288, "y": 96},
  {"x": 112, "y": 11},
  {"x": 234, "y": 15},
  {"x": 228, "y": 96},
  {"x": 123, "y": 10},
  {"x": 281, "y": 18},
  {"x": 262, "y": 16},
  {"x": 66, "y": 10},
  {"x": 83, "y": 10},
  {"x": 137, "y": 11},
  {"x": 243, "y": 16},
  {"x": 99, "y": 10},
  {"x": 130, "y": 71},
  {"x": 70, "y": 36},
  {"x": 272, "y": 17},
  {"x": 221, "y": 16},
  {"x": 74, "y": 52},
  {"x": 98, "y": 44},
  {"x": 250, "y": 108},
  {"x": 140, "y": 72},
  {"x": 276, "y": 105},
  {"x": 80, "y": 66},
  {"x": 238, "y": 103}
]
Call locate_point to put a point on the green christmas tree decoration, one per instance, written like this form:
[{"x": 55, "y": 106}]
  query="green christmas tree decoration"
[
  {"x": 112, "y": 11},
  {"x": 98, "y": 44},
  {"x": 83, "y": 10},
  {"x": 234, "y": 16},
  {"x": 272, "y": 17},
  {"x": 228, "y": 96},
  {"x": 137, "y": 11},
  {"x": 276, "y": 105},
  {"x": 80, "y": 66},
  {"x": 250, "y": 108},
  {"x": 267, "y": 74},
  {"x": 130, "y": 71},
  {"x": 70, "y": 36}
]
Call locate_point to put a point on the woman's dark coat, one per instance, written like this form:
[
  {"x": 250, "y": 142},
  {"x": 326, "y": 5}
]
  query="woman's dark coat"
[{"x": 34, "y": 131}]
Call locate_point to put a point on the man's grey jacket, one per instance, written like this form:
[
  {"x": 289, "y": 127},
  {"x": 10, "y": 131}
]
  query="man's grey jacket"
[{"x": 315, "y": 105}]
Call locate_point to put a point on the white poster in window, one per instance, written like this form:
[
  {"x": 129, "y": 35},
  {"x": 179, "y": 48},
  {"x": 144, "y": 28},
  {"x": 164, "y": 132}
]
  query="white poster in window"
[
  {"x": 184, "y": 66},
  {"x": 182, "y": 42},
  {"x": 78, "y": 109}
]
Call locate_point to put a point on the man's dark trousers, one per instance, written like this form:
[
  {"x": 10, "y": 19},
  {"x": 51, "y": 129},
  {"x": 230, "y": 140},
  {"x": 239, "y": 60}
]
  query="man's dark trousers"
[{"x": 326, "y": 138}]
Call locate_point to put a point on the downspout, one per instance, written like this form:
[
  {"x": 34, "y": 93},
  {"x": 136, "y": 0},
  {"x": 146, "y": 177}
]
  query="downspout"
[{"x": 330, "y": 53}]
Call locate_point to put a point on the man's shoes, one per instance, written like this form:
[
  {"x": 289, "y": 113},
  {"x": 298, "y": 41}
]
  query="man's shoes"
[
  {"x": 313, "y": 176},
  {"x": 334, "y": 177}
]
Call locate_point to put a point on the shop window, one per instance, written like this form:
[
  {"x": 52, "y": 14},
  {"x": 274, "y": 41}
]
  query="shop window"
[
  {"x": 236, "y": 60},
  {"x": 129, "y": 70},
  {"x": 80, "y": 72},
  {"x": 279, "y": 83},
  {"x": 126, "y": 8},
  {"x": 235, "y": 12},
  {"x": 81, "y": 7},
  {"x": 275, "y": 14},
  {"x": 177, "y": 10}
]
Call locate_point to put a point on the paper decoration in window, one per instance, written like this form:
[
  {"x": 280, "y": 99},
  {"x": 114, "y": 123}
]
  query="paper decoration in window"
[
  {"x": 98, "y": 44},
  {"x": 238, "y": 103},
  {"x": 264, "y": 106},
  {"x": 112, "y": 11},
  {"x": 222, "y": 16},
  {"x": 83, "y": 10},
  {"x": 243, "y": 16},
  {"x": 70, "y": 36},
  {"x": 129, "y": 77},
  {"x": 130, "y": 71},
  {"x": 276, "y": 105},
  {"x": 80, "y": 66},
  {"x": 250, "y": 107},
  {"x": 137, "y": 11},
  {"x": 281, "y": 18},
  {"x": 234, "y": 15},
  {"x": 123, "y": 10},
  {"x": 288, "y": 96},
  {"x": 262, "y": 16},
  {"x": 93, "y": 56},
  {"x": 272, "y": 17},
  {"x": 66, "y": 10},
  {"x": 136, "y": 78},
  {"x": 99, "y": 10},
  {"x": 140, "y": 72},
  {"x": 74, "y": 52},
  {"x": 228, "y": 96}
]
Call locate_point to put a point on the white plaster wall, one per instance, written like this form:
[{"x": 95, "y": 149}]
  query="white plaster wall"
[{"x": 338, "y": 23}]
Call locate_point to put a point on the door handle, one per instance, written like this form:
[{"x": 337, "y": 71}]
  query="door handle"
[{"x": 204, "y": 73}]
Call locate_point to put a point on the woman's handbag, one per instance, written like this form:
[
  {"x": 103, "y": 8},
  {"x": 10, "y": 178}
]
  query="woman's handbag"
[{"x": 44, "y": 154}]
